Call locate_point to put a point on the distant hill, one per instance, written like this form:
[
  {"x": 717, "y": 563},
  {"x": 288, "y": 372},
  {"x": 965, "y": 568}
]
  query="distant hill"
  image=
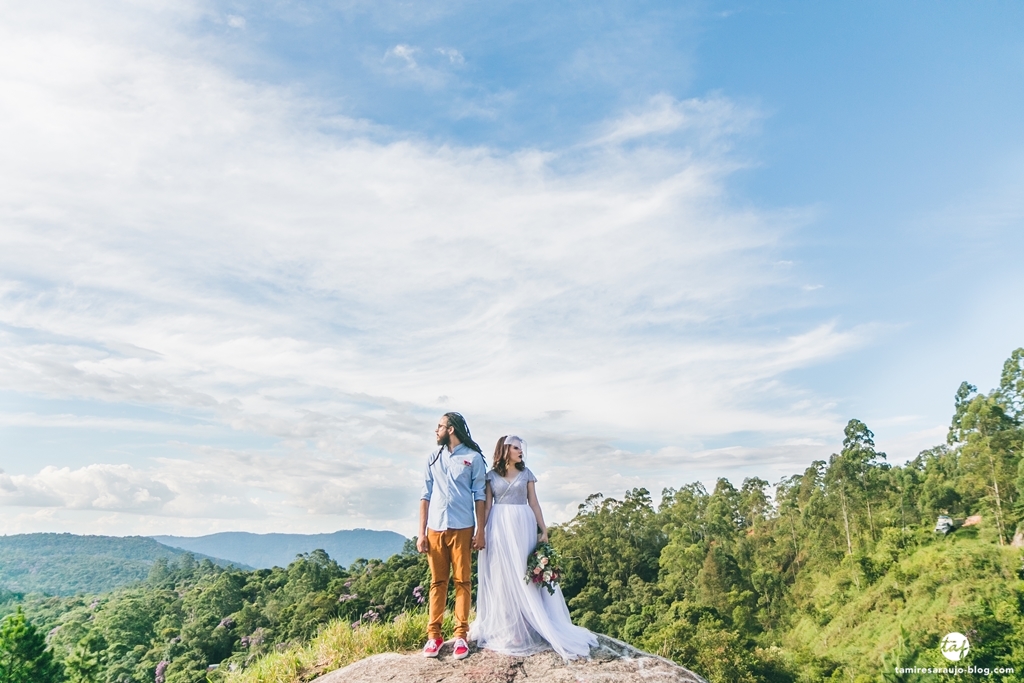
[
  {"x": 67, "y": 564},
  {"x": 278, "y": 550}
]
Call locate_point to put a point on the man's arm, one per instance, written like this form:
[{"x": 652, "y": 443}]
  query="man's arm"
[
  {"x": 422, "y": 544},
  {"x": 480, "y": 500}
]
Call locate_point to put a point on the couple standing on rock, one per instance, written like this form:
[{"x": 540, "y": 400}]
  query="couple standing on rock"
[{"x": 465, "y": 507}]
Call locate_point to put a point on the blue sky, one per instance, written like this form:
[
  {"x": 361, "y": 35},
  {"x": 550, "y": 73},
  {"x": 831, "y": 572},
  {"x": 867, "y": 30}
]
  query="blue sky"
[{"x": 249, "y": 251}]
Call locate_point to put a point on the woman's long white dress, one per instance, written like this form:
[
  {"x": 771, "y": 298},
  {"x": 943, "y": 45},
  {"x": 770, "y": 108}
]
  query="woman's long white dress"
[{"x": 515, "y": 617}]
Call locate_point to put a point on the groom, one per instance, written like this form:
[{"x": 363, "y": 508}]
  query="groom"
[{"x": 453, "y": 490}]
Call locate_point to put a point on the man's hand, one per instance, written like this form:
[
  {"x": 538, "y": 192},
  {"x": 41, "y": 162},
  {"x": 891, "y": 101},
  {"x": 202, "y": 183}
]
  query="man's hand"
[
  {"x": 479, "y": 542},
  {"x": 422, "y": 544}
]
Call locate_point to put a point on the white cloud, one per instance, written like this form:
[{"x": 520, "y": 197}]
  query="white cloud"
[
  {"x": 194, "y": 487},
  {"x": 453, "y": 55},
  {"x": 173, "y": 236},
  {"x": 711, "y": 119},
  {"x": 97, "y": 487},
  {"x": 404, "y": 53},
  {"x": 432, "y": 71}
]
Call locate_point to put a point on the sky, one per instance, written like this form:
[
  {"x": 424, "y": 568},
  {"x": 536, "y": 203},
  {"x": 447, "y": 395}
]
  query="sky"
[{"x": 250, "y": 252}]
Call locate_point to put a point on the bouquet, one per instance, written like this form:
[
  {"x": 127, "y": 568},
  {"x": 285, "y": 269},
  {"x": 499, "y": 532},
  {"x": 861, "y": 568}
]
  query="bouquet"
[{"x": 544, "y": 567}]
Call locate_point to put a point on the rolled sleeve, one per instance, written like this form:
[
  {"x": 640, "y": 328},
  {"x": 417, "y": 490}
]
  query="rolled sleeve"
[
  {"x": 479, "y": 478},
  {"x": 428, "y": 483}
]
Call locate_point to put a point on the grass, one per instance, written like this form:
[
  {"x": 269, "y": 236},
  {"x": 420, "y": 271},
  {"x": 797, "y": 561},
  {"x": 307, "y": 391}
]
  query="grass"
[
  {"x": 338, "y": 645},
  {"x": 931, "y": 591}
]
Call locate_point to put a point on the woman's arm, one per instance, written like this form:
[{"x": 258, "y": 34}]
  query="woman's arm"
[
  {"x": 531, "y": 498},
  {"x": 489, "y": 501}
]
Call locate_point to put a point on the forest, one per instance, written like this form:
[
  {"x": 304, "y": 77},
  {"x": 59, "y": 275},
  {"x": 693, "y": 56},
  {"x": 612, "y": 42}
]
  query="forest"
[
  {"x": 66, "y": 564},
  {"x": 832, "y": 574}
]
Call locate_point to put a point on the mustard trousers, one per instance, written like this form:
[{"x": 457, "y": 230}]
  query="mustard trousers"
[{"x": 449, "y": 553}]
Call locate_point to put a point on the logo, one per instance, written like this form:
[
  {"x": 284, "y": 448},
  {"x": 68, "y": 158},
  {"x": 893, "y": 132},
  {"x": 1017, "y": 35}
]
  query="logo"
[{"x": 955, "y": 646}]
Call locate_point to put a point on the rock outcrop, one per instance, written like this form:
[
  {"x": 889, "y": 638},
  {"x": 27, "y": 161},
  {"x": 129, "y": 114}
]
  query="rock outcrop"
[{"x": 612, "y": 661}]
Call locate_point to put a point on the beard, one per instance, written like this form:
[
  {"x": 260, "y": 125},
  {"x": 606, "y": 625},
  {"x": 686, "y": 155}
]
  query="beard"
[{"x": 444, "y": 440}]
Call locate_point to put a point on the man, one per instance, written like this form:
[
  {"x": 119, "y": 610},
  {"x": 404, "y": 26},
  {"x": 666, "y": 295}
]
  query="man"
[{"x": 453, "y": 494}]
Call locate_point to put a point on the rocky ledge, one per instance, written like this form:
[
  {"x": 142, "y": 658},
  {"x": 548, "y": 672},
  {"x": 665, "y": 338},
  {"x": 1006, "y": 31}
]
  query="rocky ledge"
[{"x": 612, "y": 661}]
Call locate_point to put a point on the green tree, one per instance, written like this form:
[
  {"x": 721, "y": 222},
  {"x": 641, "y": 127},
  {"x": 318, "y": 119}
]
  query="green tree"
[
  {"x": 1011, "y": 391},
  {"x": 853, "y": 474},
  {"x": 24, "y": 657},
  {"x": 87, "y": 661},
  {"x": 611, "y": 551},
  {"x": 787, "y": 492},
  {"x": 987, "y": 433},
  {"x": 938, "y": 492},
  {"x": 1011, "y": 385}
]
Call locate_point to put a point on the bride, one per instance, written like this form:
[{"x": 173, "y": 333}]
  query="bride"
[{"x": 515, "y": 617}]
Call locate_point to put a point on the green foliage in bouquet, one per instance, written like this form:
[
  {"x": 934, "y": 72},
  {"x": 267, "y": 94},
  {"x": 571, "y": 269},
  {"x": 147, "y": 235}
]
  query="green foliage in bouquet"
[{"x": 544, "y": 567}]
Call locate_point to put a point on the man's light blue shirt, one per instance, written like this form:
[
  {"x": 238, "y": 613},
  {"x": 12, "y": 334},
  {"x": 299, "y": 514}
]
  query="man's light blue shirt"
[{"x": 452, "y": 483}]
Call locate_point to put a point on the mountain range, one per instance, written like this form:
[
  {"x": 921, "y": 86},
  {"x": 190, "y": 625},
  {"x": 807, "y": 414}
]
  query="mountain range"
[
  {"x": 69, "y": 564},
  {"x": 269, "y": 550}
]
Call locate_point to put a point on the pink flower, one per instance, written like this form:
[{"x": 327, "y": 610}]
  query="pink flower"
[
  {"x": 543, "y": 561},
  {"x": 467, "y": 463},
  {"x": 536, "y": 570}
]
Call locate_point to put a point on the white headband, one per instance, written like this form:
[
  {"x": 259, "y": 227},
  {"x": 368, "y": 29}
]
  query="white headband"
[{"x": 512, "y": 438}]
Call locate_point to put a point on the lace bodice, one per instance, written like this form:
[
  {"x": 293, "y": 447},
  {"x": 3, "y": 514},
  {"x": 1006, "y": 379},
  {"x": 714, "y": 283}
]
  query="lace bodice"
[{"x": 510, "y": 494}]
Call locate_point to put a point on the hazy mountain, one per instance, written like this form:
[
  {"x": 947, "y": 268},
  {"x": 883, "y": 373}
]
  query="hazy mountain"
[
  {"x": 67, "y": 564},
  {"x": 270, "y": 550}
]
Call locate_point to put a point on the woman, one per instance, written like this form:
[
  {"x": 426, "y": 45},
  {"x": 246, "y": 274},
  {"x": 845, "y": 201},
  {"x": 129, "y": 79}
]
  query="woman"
[{"x": 515, "y": 617}]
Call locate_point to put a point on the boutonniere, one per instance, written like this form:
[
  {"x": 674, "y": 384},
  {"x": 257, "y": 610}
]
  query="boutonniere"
[{"x": 467, "y": 463}]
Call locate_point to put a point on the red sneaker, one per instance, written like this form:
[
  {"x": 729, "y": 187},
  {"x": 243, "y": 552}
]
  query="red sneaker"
[
  {"x": 433, "y": 647},
  {"x": 461, "y": 650}
]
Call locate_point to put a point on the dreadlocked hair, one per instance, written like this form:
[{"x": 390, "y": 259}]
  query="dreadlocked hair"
[{"x": 458, "y": 423}]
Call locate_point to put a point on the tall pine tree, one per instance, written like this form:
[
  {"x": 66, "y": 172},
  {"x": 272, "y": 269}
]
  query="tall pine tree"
[{"x": 24, "y": 657}]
